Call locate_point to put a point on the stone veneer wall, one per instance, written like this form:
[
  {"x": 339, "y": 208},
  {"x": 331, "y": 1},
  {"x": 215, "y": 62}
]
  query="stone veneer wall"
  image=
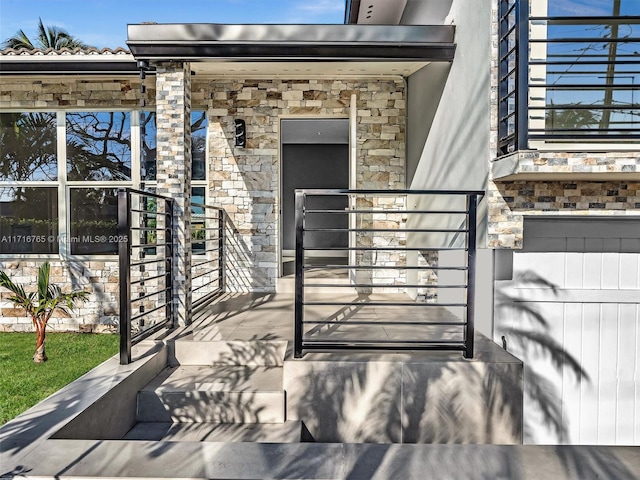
[
  {"x": 510, "y": 201},
  {"x": 245, "y": 180}
]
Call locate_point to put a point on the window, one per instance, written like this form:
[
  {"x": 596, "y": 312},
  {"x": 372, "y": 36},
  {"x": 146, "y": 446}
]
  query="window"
[
  {"x": 98, "y": 146},
  {"x": 29, "y": 220},
  {"x": 198, "y": 221},
  {"x": 28, "y": 143},
  {"x": 198, "y": 145},
  {"x": 94, "y": 221},
  {"x": 67, "y": 203}
]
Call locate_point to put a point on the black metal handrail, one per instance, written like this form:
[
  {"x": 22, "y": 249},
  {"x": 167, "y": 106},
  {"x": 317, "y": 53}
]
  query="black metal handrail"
[
  {"x": 145, "y": 251},
  {"x": 575, "y": 85},
  {"x": 377, "y": 248},
  {"x": 207, "y": 253}
]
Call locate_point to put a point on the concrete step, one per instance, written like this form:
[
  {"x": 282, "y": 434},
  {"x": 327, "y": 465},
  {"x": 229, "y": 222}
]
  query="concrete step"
[
  {"x": 287, "y": 432},
  {"x": 230, "y": 352},
  {"x": 217, "y": 394}
]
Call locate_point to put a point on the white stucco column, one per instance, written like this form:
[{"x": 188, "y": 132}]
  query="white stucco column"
[{"x": 173, "y": 126}]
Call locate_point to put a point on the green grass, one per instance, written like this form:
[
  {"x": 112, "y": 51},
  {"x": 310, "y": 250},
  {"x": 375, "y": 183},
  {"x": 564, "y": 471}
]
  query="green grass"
[{"x": 24, "y": 383}]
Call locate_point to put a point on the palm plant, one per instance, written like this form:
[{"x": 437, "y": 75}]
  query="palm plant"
[
  {"x": 48, "y": 37},
  {"x": 40, "y": 305}
]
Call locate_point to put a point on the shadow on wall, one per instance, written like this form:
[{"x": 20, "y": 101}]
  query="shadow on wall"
[
  {"x": 394, "y": 402},
  {"x": 526, "y": 334},
  {"x": 238, "y": 259}
]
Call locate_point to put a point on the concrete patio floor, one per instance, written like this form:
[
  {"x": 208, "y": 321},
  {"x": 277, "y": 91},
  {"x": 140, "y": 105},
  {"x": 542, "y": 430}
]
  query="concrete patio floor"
[{"x": 255, "y": 316}]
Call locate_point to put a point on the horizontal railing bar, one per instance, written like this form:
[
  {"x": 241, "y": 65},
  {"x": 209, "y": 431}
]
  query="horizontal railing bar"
[
  {"x": 388, "y": 193},
  {"x": 577, "y": 86},
  {"x": 610, "y": 137},
  {"x": 208, "y": 272},
  {"x": 205, "y": 285},
  {"x": 378, "y": 344},
  {"x": 148, "y": 229},
  {"x": 141, "y": 335},
  {"x": 148, "y": 262},
  {"x": 504, "y": 35},
  {"x": 383, "y": 304},
  {"x": 386, "y": 322},
  {"x": 508, "y": 53},
  {"x": 153, "y": 213},
  {"x": 164, "y": 305},
  {"x": 346, "y": 212},
  {"x": 204, "y": 262},
  {"x": 581, "y": 73},
  {"x": 505, "y": 77},
  {"x": 208, "y": 229},
  {"x": 387, "y": 230},
  {"x": 142, "y": 280},
  {"x": 150, "y": 245},
  {"x": 137, "y": 299},
  {"x": 508, "y": 116},
  {"x": 585, "y": 40},
  {"x": 206, "y": 250},
  {"x": 590, "y": 20},
  {"x": 584, "y": 132},
  {"x": 204, "y": 205},
  {"x": 196, "y": 304},
  {"x": 379, "y": 267},
  {"x": 375, "y": 285},
  {"x": 387, "y": 249},
  {"x": 583, "y": 62},
  {"x": 142, "y": 193},
  {"x": 585, "y": 107}
]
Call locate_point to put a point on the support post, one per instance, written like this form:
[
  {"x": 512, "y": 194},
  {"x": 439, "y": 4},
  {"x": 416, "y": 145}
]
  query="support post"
[
  {"x": 472, "y": 208},
  {"x": 299, "y": 261},
  {"x": 124, "y": 261},
  {"x": 173, "y": 133},
  {"x": 221, "y": 253}
]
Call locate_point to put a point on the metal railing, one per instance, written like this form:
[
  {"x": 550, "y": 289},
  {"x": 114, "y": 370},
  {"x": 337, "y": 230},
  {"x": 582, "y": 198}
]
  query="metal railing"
[
  {"x": 567, "y": 78},
  {"x": 207, "y": 253},
  {"x": 145, "y": 251},
  {"x": 390, "y": 247},
  {"x": 512, "y": 76}
]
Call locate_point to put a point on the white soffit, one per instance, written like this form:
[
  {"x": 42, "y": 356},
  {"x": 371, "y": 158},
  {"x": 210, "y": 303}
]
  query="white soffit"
[
  {"x": 381, "y": 12},
  {"x": 305, "y": 69}
]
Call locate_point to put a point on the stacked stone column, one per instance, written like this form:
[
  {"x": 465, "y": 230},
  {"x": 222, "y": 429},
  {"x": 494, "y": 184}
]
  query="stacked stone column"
[{"x": 173, "y": 130}]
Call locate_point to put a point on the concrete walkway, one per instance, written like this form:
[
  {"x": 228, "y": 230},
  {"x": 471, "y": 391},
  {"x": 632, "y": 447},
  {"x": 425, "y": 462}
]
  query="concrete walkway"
[{"x": 81, "y": 431}]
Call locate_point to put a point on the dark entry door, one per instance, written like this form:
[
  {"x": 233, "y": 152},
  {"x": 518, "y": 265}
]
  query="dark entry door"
[{"x": 315, "y": 154}]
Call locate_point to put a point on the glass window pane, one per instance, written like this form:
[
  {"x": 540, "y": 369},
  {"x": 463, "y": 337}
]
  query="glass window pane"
[
  {"x": 94, "y": 221},
  {"x": 592, "y": 8},
  {"x": 98, "y": 146},
  {"x": 28, "y": 146},
  {"x": 148, "y": 145},
  {"x": 29, "y": 220},
  {"x": 198, "y": 222},
  {"x": 198, "y": 145}
]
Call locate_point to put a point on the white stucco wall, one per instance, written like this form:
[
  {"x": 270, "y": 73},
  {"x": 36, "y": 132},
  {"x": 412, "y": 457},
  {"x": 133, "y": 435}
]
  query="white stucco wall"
[{"x": 448, "y": 124}]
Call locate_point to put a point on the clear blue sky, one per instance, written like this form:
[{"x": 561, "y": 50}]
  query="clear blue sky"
[{"x": 103, "y": 23}]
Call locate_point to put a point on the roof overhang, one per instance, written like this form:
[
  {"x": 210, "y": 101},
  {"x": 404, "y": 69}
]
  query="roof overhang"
[
  {"x": 334, "y": 47},
  {"x": 102, "y": 65}
]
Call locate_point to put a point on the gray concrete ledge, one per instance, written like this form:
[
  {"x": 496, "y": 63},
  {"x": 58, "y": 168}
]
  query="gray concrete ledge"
[
  {"x": 182, "y": 460},
  {"x": 100, "y": 405}
]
